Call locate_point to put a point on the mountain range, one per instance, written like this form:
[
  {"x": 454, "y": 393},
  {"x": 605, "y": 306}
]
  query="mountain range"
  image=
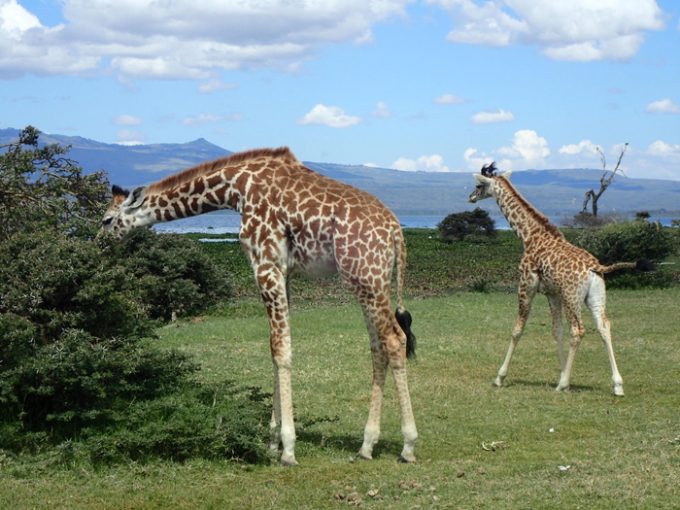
[{"x": 558, "y": 193}]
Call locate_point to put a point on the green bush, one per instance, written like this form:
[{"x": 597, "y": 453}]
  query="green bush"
[
  {"x": 630, "y": 242},
  {"x": 79, "y": 381},
  {"x": 169, "y": 273},
  {"x": 221, "y": 421},
  {"x": 627, "y": 242},
  {"x": 74, "y": 370},
  {"x": 61, "y": 283},
  {"x": 470, "y": 225}
]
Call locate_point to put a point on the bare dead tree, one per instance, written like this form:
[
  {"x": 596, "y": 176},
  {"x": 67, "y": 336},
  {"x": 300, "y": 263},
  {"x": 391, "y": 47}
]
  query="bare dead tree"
[{"x": 606, "y": 179}]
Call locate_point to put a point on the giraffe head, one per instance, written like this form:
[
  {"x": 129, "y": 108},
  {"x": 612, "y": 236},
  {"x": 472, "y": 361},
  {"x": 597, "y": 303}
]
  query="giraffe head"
[
  {"x": 125, "y": 211},
  {"x": 487, "y": 183}
]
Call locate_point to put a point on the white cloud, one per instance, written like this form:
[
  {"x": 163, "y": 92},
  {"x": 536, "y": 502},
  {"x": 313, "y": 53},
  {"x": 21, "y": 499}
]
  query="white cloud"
[
  {"x": 215, "y": 85},
  {"x": 579, "y": 30},
  {"x": 448, "y": 99},
  {"x": 382, "y": 111},
  {"x": 476, "y": 159},
  {"x": 210, "y": 118},
  {"x": 126, "y": 137},
  {"x": 15, "y": 20},
  {"x": 432, "y": 163},
  {"x": 663, "y": 106},
  {"x": 331, "y": 116},
  {"x": 127, "y": 120},
  {"x": 663, "y": 149},
  {"x": 584, "y": 146},
  {"x": 528, "y": 150},
  {"x": 492, "y": 117},
  {"x": 183, "y": 38}
]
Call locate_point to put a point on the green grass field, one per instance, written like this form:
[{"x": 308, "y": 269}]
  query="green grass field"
[{"x": 583, "y": 449}]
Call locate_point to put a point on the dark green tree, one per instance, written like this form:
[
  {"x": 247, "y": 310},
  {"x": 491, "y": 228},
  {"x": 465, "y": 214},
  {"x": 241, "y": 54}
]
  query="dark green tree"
[
  {"x": 41, "y": 188},
  {"x": 476, "y": 224}
]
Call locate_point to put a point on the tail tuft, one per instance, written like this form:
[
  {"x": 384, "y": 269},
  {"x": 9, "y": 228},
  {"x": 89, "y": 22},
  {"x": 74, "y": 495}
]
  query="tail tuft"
[
  {"x": 405, "y": 320},
  {"x": 645, "y": 265}
]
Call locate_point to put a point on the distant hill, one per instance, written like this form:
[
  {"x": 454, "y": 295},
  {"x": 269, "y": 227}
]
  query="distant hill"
[{"x": 558, "y": 193}]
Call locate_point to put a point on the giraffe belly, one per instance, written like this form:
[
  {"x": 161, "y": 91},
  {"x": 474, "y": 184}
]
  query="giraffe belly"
[{"x": 313, "y": 263}]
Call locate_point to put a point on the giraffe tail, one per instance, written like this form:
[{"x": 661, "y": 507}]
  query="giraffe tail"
[
  {"x": 402, "y": 315},
  {"x": 641, "y": 265}
]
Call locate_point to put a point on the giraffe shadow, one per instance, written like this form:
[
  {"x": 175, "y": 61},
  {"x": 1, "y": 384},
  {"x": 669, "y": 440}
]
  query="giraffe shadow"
[
  {"x": 573, "y": 388},
  {"x": 346, "y": 443}
]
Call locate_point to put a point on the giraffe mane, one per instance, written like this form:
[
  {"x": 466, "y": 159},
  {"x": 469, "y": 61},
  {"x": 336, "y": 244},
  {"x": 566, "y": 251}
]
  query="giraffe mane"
[
  {"x": 537, "y": 215},
  {"x": 210, "y": 166}
]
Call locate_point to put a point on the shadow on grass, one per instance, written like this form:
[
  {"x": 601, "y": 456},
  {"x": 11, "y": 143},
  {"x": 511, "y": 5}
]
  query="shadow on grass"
[
  {"x": 346, "y": 443},
  {"x": 349, "y": 444},
  {"x": 573, "y": 388}
]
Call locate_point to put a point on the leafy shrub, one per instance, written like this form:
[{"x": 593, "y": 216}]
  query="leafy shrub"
[
  {"x": 61, "y": 283},
  {"x": 78, "y": 381},
  {"x": 41, "y": 187},
  {"x": 630, "y": 242},
  {"x": 220, "y": 421},
  {"x": 470, "y": 225},
  {"x": 74, "y": 369},
  {"x": 169, "y": 273}
]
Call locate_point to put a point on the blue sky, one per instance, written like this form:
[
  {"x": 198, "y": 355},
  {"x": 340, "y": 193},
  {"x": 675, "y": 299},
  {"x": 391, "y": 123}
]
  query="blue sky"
[{"x": 437, "y": 85}]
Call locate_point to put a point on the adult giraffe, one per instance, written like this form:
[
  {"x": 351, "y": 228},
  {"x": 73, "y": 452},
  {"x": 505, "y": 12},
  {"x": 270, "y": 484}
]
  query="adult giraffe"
[
  {"x": 568, "y": 275},
  {"x": 295, "y": 219}
]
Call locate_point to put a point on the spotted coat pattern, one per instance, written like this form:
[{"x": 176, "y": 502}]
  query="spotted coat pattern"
[
  {"x": 568, "y": 275},
  {"x": 294, "y": 219}
]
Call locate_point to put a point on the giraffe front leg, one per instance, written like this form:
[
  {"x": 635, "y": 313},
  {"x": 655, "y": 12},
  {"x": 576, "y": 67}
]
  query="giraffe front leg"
[
  {"x": 271, "y": 282},
  {"x": 526, "y": 293},
  {"x": 275, "y": 422},
  {"x": 577, "y": 332},
  {"x": 555, "y": 303}
]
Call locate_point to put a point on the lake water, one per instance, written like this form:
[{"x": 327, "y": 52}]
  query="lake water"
[{"x": 227, "y": 222}]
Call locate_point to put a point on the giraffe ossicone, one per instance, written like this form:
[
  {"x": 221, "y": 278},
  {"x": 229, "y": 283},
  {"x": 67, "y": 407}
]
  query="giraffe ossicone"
[
  {"x": 568, "y": 275},
  {"x": 294, "y": 219}
]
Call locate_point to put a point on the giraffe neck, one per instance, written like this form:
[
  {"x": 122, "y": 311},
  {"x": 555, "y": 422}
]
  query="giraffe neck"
[
  {"x": 527, "y": 222},
  {"x": 224, "y": 189},
  {"x": 229, "y": 183}
]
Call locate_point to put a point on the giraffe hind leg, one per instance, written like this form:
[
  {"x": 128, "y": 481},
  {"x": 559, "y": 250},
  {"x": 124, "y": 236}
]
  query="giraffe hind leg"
[
  {"x": 596, "y": 301},
  {"x": 388, "y": 348}
]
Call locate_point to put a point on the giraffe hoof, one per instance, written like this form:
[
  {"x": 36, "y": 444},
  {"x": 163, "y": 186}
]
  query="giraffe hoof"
[
  {"x": 564, "y": 389},
  {"x": 498, "y": 383},
  {"x": 288, "y": 461},
  {"x": 364, "y": 456},
  {"x": 618, "y": 391},
  {"x": 404, "y": 460}
]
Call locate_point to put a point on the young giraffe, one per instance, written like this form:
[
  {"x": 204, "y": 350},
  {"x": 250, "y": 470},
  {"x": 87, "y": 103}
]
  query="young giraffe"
[
  {"x": 567, "y": 275},
  {"x": 295, "y": 219}
]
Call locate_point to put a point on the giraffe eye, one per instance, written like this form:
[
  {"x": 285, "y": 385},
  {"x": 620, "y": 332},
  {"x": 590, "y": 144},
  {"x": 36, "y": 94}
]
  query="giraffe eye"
[{"x": 107, "y": 221}]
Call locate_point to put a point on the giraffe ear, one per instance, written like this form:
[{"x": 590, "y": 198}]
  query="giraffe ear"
[
  {"x": 481, "y": 179},
  {"x": 135, "y": 199},
  {"x": 507, "y": 174}
]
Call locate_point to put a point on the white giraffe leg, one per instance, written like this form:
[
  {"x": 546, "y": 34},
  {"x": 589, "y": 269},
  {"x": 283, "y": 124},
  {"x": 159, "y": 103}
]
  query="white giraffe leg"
[
  {"x": 596, "y": 301},
  {"x": 275, "y": 422},
  {"x": 526, "y": 293},
  {"x": 271, "y": 282}
]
